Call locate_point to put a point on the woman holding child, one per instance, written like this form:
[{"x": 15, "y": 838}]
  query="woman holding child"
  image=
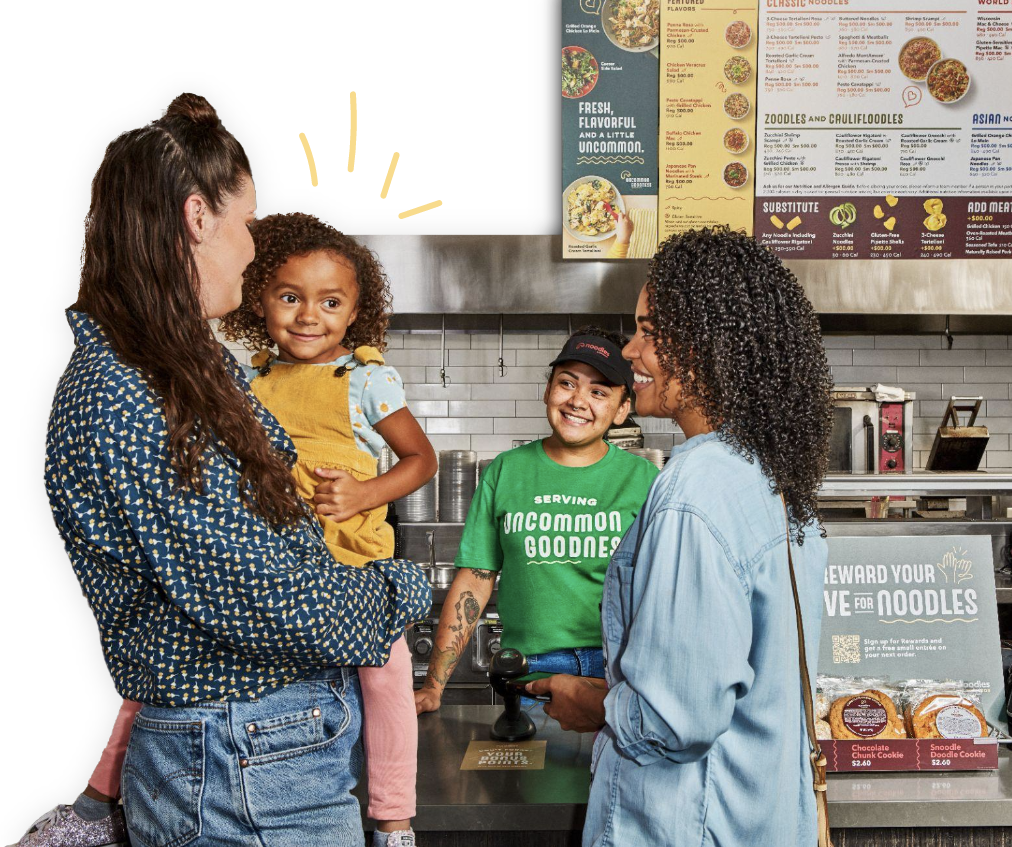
[{"x": 219, "y": 604}]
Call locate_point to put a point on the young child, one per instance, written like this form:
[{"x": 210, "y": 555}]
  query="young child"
[{"x": 323, "y": 300}]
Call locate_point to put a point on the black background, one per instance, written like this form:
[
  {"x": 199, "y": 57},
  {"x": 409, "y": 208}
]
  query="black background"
[{"x": 462, "y": 91}]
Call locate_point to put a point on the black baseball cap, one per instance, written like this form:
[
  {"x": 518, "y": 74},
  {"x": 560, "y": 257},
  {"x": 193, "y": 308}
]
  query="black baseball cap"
[{"x": 600, "y": 353}]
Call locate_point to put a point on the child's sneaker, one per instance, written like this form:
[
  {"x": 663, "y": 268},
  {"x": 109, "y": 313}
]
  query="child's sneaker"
[
  {"x": 400, "y": 838},
  {"x": 61, "y": 827}
]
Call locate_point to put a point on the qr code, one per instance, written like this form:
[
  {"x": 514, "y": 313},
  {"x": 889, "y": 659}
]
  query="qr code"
[{"x": 846, "y": 649}]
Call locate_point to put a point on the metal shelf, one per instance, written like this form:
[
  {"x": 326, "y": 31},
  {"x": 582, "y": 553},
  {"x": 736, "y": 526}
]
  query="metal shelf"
[{"x": 920, "y": 484}]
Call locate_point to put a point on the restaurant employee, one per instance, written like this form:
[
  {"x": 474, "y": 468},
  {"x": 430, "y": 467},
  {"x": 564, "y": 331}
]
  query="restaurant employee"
[{"x": 546, "y": 517}]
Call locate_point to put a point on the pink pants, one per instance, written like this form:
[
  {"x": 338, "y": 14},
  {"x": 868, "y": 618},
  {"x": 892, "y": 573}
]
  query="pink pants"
[{"x": 390, "y": 735}]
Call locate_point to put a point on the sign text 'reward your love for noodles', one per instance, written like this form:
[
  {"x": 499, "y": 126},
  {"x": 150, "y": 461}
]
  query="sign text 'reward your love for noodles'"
[{"x": 913, "y": 608}]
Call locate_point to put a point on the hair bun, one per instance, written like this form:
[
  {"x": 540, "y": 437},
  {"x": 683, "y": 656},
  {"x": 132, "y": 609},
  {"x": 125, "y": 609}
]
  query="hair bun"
[{"x": 194, "y": 108}]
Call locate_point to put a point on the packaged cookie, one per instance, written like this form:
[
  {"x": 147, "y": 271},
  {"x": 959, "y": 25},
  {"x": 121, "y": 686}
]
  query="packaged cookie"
[
  {"x": 823, "y": 730},
  {"x": 866, "y": 711},
  {"x": 945, "y": 710},
  {"x": 826, "y": 689},
  {"x": 909, "y": 689}
]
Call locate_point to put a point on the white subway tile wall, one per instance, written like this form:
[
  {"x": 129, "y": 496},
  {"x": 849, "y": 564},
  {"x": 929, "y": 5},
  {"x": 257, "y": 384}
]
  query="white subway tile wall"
[{"x": 479, "y": 409}]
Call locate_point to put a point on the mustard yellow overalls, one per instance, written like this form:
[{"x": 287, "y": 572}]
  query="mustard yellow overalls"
[{"x": 311, "y": 403}]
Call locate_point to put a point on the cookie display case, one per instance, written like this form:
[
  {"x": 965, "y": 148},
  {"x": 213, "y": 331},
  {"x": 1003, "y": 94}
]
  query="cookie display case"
[{"x": 933, "y": 727}]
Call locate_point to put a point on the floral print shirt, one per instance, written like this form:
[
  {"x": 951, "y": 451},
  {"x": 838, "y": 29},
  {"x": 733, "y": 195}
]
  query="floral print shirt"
[
  {"x": 197, "y": 597},
  {"x": 375, "y": 391}
]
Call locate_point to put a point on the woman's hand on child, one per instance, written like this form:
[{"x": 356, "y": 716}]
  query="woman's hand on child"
[{"x": 340, "y": 496}]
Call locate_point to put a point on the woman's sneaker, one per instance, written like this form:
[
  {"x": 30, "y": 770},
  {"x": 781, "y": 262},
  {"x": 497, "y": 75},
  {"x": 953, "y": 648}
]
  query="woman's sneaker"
[
  {"x": 61, "y": 827},
  {"x": 400, "y": 838}
]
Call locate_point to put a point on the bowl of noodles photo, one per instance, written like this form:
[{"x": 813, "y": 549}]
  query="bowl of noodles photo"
[
  {"x": 632, "y": 25},
  {"x": 738, "y": 34},
  {"x": 917, "y": 56},
  {"x": 735, "y": 174},
  {"x": 948, "y": 80},
  {"x": 590, "y": 207}
]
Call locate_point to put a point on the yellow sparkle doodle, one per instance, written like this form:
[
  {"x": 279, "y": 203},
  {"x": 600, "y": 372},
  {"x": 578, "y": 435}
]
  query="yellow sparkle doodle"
[
  {"x": 354, "y": 133},
  {"x": 390, "y": 175},
  {"x": 309, "y": 157},
  {"x": 419, "y": 209}
]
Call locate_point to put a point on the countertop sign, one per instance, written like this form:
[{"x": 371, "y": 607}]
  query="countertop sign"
[{"x": 908, "y": 607}]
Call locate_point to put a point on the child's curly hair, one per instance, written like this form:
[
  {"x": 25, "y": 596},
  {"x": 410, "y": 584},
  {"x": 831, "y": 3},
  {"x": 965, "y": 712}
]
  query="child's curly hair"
[{"x": 279, "y": 237}]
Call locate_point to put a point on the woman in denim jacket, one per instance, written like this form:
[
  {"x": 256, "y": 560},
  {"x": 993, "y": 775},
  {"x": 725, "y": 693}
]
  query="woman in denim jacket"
[{"x": 703, "y": 737}]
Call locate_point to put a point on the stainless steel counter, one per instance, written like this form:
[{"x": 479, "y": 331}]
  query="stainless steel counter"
[{"x": 554, "y": 799}]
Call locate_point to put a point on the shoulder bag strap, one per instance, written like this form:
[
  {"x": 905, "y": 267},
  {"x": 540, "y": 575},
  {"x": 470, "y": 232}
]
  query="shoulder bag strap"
[{"x": 817, "y": 758}]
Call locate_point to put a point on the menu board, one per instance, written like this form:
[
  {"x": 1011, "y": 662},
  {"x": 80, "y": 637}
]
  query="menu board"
[
  {"x": 829, "y": 129},
  {"x": 707, "y": 115},
  {"x": 609, "y": 128},
  {"x": 886, "y": 131}
]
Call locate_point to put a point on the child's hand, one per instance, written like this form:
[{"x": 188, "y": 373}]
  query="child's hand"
[
  {"x": 340, "y": 496},
  {"x": 623, "y": 228}
]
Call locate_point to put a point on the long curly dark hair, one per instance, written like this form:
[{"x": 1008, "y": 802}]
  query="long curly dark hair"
[
  {"x": 140, "y": 282},
  {"x": 734, "y": 327},
  {"x": 279, "y": 237}
]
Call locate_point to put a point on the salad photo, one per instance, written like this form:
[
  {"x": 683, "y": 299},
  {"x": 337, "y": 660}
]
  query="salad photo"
[{"x": 579, "y": 72}]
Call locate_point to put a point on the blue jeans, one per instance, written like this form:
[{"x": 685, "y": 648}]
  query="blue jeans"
[
  {"x": 583, "y": 661},
  {"x": 273, "y": 772}
]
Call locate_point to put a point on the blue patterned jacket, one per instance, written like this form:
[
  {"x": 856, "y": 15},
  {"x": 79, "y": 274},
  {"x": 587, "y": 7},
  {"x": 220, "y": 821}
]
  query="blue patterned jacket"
[{"x": 197, "y": 597}]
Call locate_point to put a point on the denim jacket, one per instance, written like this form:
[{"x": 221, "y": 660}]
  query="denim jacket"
[
  {"x": 705, "y": 742},
  {"x": 196, "y": 596}
]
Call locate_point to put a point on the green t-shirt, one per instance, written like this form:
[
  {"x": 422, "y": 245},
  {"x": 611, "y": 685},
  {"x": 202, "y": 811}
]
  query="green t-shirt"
[{"x": 551, "y": 531}]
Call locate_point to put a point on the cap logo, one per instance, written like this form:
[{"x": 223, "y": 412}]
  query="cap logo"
[{"x": 601, "y": 351}]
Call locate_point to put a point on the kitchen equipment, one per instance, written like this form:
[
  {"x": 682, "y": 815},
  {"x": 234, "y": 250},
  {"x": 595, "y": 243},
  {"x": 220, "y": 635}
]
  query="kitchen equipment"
[
  {"x": 871, "y": 436},
  {"x": 958, "y": 448},
  {"x": 513, "y": 724},
  {"x": 457, "y": 479},
  {"x": 442, "y": 575},
  {"x": 628, "y": 435},
  {"x": 487, "y": 642},
  {"x": 651, "y": 454},
  {"x": 482, "y": 466},
  {"x": 414, "y": 543},
  {"x": 470, "y": 678}
]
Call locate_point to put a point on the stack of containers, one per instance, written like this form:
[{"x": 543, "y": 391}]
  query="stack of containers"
[
  {"x": 419, "y": 506},
  {"x": 385, "y": 461},
  {"x": 457, "y": 480}
]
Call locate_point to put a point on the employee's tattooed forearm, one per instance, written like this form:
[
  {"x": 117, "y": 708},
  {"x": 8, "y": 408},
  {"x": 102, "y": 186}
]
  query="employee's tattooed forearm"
[
  {"x": 484, "y": 576},
  {"x": 471, "y": 610},
  {"x": 444, "y": 660},
  {"x": 440, "y": 668}
]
